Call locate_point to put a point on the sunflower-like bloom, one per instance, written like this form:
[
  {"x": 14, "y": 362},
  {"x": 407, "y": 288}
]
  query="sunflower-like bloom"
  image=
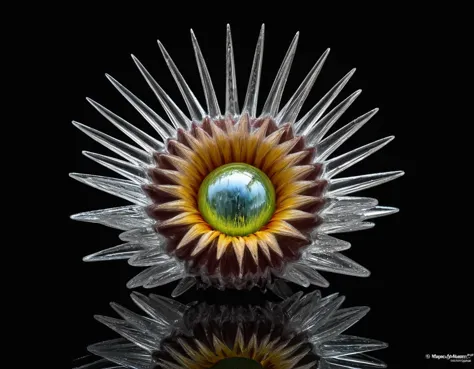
[
  {"x": 300, "y": 332},
  {"x": 238, "y": 198}
]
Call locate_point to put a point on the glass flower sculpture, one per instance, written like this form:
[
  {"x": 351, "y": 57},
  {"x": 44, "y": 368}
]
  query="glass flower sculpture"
[
  {"x": 235, "y": 199},
  {"x": 300, "y": 332}
]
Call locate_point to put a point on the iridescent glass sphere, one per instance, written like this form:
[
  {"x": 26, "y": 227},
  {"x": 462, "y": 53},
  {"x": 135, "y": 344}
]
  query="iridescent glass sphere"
[{"x": 236, "y": 199}]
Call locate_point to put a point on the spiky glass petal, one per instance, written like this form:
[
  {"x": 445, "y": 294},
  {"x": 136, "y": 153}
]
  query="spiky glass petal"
[
  {"x": 164, "y": 229},
  {"x": 300, "y": 332}
]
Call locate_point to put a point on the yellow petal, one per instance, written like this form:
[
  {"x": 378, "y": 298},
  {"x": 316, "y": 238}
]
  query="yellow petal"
[
  {"x": 223, "y": 144},
  {"x": 264, "y": 247},
  {"x": 239, "y": 342},
  {"x": 268, "y": 143},
  {"x": 209, "y": 147},
  {"x": 195, "y": 231},
  {"x": 177, "y": 205},
  {"x": 292, "y": 214},
  {"x": 222, "y": 244},
  {"x": 238, "y": 244},
  {"x": 220, "y": 347},
  {"x": 185, "y": 218},
  {"x": 285, "y": 162},
  {"x": 294, "y": 202},
  {"x": 200, "y": 149},
  {"x": 204, "y": 350},
  {"x": 188, "y": 363},
  {"x": 270, "y": 240},
  {"x": 294, "y": 188},
  {"x": 188, "y": 167},
  {"x": 278, "y": 152},
  {"x": 252, "y": 245},
  {"x": 285, "y": 229},
  {"x": 204, "y": 241},
  {"x": 291, "y": 174},
  {"x": 178, "y": 191}
]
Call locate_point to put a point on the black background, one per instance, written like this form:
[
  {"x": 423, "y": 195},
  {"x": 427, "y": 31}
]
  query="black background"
[{"x": 417, "y": 291}]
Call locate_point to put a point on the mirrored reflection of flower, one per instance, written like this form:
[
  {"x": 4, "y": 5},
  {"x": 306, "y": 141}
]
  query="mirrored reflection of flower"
[
  {"x": 238, "y": 198},
  {"x": 300, "y": 332}
]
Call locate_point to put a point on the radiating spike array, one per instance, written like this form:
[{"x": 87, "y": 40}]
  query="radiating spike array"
[{"x": 187, "y": 149}]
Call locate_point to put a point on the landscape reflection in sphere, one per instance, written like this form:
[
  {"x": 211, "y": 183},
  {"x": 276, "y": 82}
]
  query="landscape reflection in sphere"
[{"x": 236, "y": 199}]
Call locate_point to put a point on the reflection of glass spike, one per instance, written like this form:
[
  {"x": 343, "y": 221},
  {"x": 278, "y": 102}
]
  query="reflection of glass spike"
[{"x": 300, "y": 332}]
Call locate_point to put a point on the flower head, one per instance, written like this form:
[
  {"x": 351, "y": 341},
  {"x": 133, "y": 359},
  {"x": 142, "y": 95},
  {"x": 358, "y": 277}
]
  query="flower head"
[
  {"x": 238, "y": 198},
  {"x": 300, "y": 332}
]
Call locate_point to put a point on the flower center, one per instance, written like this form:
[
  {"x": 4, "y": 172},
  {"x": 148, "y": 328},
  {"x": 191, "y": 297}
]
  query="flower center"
[
  {"x": 237, "y": 363},
  {"x": 236, "y": 199}
]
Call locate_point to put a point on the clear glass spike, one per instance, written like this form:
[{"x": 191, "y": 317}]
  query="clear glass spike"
[
  {"x": 126, "y": 354},
  {"x": 123, "y": 217},
  {"x": 358, "y": 361},
  {"x": 123, "y": 251},
  {"x": 319, "y": 109},
  {"x": 125, "y": 189},
  {"x": 332, "y": 228},
  {"x": 330, "y": 144},
  {"x": 344, "y": 186},
  {"x": 335, "y": 262},
  {"x": 348, "y": 345},
  {"x": 209, "y": 93},
  {"x": 231, "y": 96},
  {"x": 195, "y": 109},
  {"x": 149, "y": 257},
  {"x": 144, "y": 140},
  {"x": 125, "y": 150},
  {"x": 349, "y": 204},
  {"x": 184, "y": 285},
  {"x": 290, "y": 111},
  {"x": 274, "y": 97},
  {"x": 340, "y": 163},
  {"x": 251, "y": 98},
  {"x": 163, "y": 128},
  {"x": 340, "y": 321},
  {"x": 129, "y": 171},
  {"x": 126, "y": 330},
  {"x": 316, "y": 131},
  {"x": 176, "y": 116},
  {"x": 379, "y": 211},
  {"x": 312, "y": 275}
]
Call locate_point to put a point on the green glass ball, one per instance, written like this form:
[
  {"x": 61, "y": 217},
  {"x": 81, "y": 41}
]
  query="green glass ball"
[
  {"x": 237, "y": 363},
  {"x": 236, "y": 199}
]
